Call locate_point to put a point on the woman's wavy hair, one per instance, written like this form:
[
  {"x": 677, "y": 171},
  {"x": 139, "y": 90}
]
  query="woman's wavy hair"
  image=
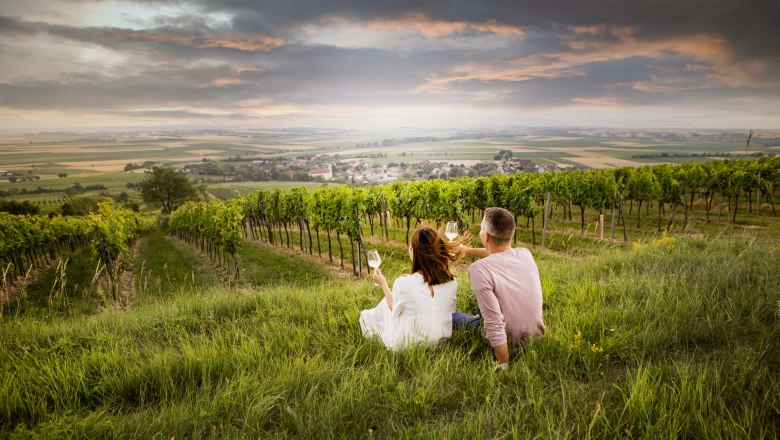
[{"x": 432, "y": 256}]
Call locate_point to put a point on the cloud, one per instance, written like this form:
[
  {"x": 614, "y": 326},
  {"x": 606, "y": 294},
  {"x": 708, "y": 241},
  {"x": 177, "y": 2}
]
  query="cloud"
[
  {"x": 418, "y": 22},
  {"x": 180, "y": 114},
  {"x": 97, "y": 92},
  {"x": 218, "y": 60},
  {"x": 708, "y": 63},
  {"x": 117, "y": 37},
  {"x": 749, "y": 25}
]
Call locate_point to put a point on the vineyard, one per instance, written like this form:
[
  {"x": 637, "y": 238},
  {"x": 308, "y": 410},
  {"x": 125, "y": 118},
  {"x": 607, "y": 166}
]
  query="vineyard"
[
  {"x": 235, "y": 323},
  {"x": 36, "y": 242},
  {"x": 224, "y": 193},
  {"x": 52, "y": 201},
  {"x": 213, "y": 227},
  {"x": 722, "y": 190}
]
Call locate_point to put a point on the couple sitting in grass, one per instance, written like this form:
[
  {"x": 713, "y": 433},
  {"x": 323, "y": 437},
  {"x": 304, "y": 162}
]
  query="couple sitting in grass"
[{"x": 420, "y": 308}]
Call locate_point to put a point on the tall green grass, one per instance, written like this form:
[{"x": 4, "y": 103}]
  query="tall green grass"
[
  {"x": 65, "y": 287},
  {"x": 677, "y": 338},
  {"x": 163, "y": 265}
]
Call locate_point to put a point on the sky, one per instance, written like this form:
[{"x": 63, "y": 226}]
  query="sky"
[{"x": 368, "y": 64}]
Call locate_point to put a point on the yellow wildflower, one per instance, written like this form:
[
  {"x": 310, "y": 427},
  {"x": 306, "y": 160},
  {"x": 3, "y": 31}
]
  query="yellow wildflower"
[
  {"x": 665, "y": 241},
  {"x": 577, "y": 340}
]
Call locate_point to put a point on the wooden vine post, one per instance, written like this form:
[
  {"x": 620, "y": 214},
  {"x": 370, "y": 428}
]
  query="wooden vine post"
[
  {"x": 614, "y": 203},
  {"x": 546, "y": 212},
  {"x": 359, "y": 240}
]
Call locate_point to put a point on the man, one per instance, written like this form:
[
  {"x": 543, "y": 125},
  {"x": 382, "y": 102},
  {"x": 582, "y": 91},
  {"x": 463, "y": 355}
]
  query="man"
[{"x": 506, "y": 283}]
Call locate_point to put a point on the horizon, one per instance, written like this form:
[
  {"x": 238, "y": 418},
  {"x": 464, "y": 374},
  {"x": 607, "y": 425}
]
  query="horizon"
[
  {"x": 78, "y": 65},
  {"x": 394, "y": 131}
]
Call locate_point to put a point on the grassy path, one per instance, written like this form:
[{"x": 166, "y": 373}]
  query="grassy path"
[
  {"x": 263, "y": 265},
  {"x": 163, "y": 265},
  {"x": 168, "y": 264}
]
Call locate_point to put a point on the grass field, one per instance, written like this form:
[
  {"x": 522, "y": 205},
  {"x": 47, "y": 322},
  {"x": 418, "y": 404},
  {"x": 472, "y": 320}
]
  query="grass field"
[
  {"x": 248, "y": 187},
  {"x": 230, "y": 190},
  {"x": 673, "y": 336},
  {"x": 109, "y": 180}
]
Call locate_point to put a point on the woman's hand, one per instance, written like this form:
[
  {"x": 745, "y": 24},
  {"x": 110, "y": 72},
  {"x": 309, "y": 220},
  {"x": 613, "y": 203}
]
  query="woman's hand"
[{"x": 379, "y": 279}]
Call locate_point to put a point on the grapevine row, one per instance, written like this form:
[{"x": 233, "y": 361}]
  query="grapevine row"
[
  {"x": 113, "y": 231},
  {"x": 335, "y": 209},
  {"x": 35, "y": 241},
  {"x": 274, "y": 215},
  {"x": 214, "y": 227}
]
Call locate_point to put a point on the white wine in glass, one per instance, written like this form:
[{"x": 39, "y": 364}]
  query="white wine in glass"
[
  {"x": 452, "y": 230},
  {"x": 373, "y": 260}
]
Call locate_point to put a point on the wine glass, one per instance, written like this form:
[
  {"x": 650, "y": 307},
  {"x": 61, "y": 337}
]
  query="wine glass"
[
  {"x": 374, "y": 260},
  {"x": 452, "y": 230}
]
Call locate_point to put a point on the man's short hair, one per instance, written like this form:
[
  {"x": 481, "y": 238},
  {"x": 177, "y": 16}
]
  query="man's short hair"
[{"x": 500, "y": 224}]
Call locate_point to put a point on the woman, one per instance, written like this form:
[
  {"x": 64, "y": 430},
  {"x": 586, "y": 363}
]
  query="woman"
[{"x": 419, "y": 307}]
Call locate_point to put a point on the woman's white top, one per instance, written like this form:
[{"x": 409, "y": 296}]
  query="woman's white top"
[{"x": 417, "y": 316}]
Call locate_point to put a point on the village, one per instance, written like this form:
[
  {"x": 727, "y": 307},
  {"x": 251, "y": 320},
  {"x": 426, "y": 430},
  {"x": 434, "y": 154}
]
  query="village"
[{"x": 326, "y": 168}]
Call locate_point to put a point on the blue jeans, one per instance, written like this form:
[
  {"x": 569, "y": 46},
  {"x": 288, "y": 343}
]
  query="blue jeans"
[{"x": 470, "y": 322}]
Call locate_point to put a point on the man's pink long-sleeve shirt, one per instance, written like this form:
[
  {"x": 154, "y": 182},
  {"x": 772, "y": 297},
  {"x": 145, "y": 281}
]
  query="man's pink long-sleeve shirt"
[{"x": 509, "y": 294}]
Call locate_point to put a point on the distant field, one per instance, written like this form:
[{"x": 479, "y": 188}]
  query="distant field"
[
  {"x": 109, "y": 180},
  {"x": 230, "y": 190},
  {"x": 100, "y": 158},
  {"x": 253, "y": 186},
  {"x": 580, "y": 152},
  {"x": 49, "y": 158},
  {"x": 52, "y": 201}
]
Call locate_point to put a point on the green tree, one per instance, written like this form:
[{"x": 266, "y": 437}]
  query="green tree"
[{"x": 167, "y": 187}]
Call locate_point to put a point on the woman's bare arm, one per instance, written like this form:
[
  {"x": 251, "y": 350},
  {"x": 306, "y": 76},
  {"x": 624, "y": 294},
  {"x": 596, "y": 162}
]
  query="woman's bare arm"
[
  {"x": 379, "y": 279},
  {"x": 388, "y": 295}
]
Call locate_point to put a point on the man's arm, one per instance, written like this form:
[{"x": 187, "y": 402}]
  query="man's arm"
[
  {"x": 493, "y": 319},
  {"x": 476, "y": 252},
  {"x": 502, "y": 353}
]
